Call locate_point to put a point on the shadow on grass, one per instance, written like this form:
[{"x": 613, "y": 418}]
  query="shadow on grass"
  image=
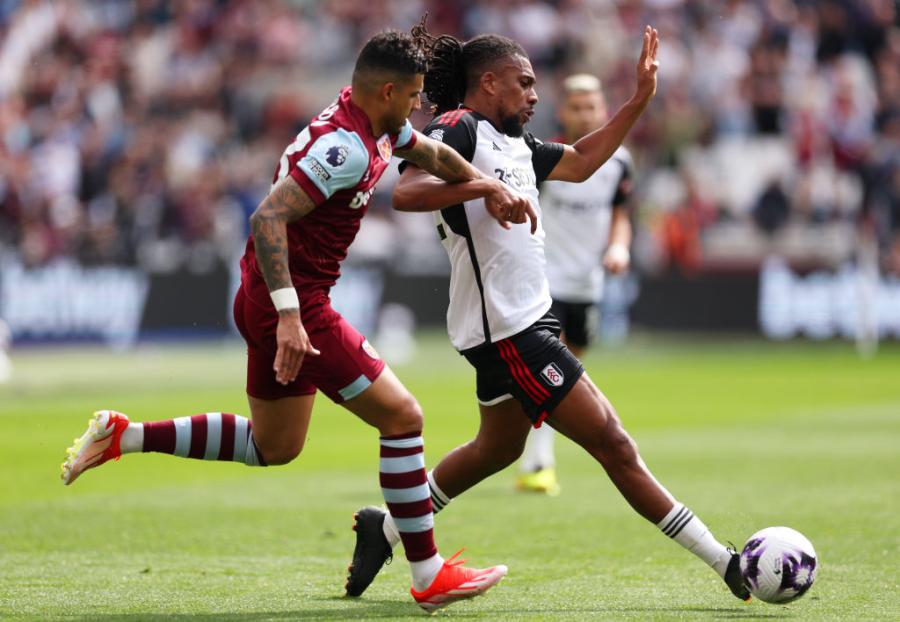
[
  {"x": 346, "y": 609},
  {"x": 343, "y": 609}
]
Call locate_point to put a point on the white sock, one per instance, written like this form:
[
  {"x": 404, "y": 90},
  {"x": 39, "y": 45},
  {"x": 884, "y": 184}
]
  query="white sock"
[
  {"x": 390, "y": 530},
  {"x": 681, "y": 525},
  {"x": 132, "y": 438},
  {"x": 539, "y": 450},
  {"x": 438, "y": 499},
  {"x": 424, "y": 572}
]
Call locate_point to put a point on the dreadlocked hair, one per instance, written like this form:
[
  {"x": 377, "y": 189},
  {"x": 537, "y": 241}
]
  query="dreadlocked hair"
[{"x": 454, "y": 65}]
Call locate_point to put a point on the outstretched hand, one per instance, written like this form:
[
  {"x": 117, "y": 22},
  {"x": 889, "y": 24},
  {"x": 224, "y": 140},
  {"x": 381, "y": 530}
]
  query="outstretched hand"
[{"x": 648, "y": 64}]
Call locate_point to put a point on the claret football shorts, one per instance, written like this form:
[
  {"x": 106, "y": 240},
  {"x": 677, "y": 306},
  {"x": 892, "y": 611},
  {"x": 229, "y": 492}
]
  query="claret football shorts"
[
  {"x": 532, "y": 366},
  {"x": 346, "y": 367}
]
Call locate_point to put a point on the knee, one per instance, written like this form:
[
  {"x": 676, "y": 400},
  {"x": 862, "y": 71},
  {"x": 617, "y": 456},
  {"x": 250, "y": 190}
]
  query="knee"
[
  {"x": 609, "y": 442},
  {"x": 620, "y": 448},
  {"x": 407, "y": 418},
  {"x": 499, "y": 455},
  {"x": 276, "y": 455},
  {"x": 507, "y": 455}
]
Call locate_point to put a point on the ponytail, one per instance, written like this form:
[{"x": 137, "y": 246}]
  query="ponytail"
[
  {"x": 454, "y": 66},
  {"x": 445, "y": 78}
]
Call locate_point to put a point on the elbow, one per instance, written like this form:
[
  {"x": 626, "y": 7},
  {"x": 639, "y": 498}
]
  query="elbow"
[
  {"x": 260, "y": 216},
  {"x": 584, "y": 172},
  {"x": 580, "y": 169},
  {"x": 255, "y": 217}
]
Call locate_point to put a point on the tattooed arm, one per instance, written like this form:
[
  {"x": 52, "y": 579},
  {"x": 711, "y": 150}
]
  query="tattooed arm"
[
  {"x": 286, "y": 203},
  {"x": 441, "y": 177},
  {"x": 440, "y": 160}
]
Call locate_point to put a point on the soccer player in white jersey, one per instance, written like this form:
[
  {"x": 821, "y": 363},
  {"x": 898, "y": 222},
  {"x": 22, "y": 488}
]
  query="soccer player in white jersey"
[
  {"x": 498, "y": 318},
  {"x": 588, "y": 229}
]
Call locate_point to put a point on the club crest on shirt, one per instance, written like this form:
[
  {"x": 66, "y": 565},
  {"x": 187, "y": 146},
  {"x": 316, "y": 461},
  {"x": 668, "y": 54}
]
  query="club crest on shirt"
[
  {"x": 337, "y": 155},
  {"x": 384, "y": 148},
  {"x": 368, "y": 349},
  {"x": 437, "y": 134},
  {"x": 553, "y": 375}
]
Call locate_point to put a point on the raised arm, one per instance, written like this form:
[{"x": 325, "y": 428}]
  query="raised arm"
[
  {"x": 581, "y": 160},
  {"x": 441, "y": 177},
  {"x": 286, "y": 203}
]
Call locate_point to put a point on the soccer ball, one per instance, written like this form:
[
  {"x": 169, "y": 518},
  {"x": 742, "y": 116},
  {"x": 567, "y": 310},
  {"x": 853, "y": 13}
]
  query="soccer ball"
[{"x": 778, "y": 564}]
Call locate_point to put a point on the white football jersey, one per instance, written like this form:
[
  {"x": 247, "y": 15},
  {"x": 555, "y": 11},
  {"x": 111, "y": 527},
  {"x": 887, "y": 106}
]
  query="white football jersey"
[
  {"x": 497, "y": 283},
  {"x": 577, "y": 221}
]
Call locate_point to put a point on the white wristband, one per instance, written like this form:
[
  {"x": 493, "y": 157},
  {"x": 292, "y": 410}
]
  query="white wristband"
[
  {"x": 618, "y": 252},
  {"x": 285, "y": 298}
]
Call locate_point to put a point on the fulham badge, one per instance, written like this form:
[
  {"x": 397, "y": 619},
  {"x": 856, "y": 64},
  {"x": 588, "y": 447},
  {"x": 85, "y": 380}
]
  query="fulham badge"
[{"x": 553, "y": 375}]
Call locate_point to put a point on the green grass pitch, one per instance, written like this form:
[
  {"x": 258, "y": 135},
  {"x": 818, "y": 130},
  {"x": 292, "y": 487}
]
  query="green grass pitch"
[{"x": 748, "y": 434}]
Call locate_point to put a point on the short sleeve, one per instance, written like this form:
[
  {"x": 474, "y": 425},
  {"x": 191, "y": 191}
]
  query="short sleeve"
[
  {"x": 406, "y": 139},
  {"x": 457, "y": 133},
  {"x": 544, "y": 156},
  {"x": 335, "y": 161},
  {"x": 626, "y": 178}
]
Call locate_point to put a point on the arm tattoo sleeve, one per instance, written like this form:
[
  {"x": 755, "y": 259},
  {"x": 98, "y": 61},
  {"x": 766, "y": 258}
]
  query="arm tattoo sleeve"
[
  {"x": 439, "y": 160},
  {"x": 286, "y": 203}
]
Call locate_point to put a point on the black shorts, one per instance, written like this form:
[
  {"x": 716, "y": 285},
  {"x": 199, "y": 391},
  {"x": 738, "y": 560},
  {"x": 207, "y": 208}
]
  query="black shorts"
[
  {"x": 579, "y": 321},
  {"x": 533, "y": 366}
]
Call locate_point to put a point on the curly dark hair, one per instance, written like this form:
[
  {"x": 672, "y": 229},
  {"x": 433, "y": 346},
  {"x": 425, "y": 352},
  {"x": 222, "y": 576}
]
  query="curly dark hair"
[
  {"x": 454, "y": 65},
  {"x": 392, "y": 51}
]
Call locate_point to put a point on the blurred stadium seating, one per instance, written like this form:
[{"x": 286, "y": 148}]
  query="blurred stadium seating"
[{"x": 136, "y": 136}]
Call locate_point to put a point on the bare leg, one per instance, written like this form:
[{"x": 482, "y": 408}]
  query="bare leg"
[
  {"x": 588, "y": 418},
  {"x": 388, "y": 406},
  {"x": 280, "y": 426},
  {"x": 499, "y": 443}
]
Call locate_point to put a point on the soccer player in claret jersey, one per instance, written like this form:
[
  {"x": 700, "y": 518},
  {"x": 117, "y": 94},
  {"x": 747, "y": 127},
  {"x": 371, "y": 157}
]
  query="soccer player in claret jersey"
[
  {"x": 588, "y": 229},
  {"x": 297, "y": 344},
  {"x": 498, "y": 318}
]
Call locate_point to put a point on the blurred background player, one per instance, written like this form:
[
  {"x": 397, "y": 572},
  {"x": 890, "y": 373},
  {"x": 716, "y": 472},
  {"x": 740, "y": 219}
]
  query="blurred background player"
[
  {"x": 588, "y": 229},
  {"x": 300, "y": 235}
]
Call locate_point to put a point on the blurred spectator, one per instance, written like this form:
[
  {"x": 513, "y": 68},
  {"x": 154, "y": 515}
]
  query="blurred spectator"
[{"x": 144, "y": 132}]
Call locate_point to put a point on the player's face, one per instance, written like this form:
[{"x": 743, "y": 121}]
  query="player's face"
[
  {"x": 515, "y": 95},
  {"x": 404, "y": 98},
  {"x": 582, "y": 112}
]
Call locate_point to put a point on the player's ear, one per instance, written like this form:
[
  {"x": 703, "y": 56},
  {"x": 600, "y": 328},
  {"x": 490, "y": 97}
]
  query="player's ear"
[
  {"x": 488, "y": 82},
  {"x": 387, "y": 91}
]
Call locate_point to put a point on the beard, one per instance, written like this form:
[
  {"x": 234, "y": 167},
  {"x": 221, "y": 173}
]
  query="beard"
[{"x": 512, "y": 126}]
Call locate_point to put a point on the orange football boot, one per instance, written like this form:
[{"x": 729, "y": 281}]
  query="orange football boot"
[
  {"x": 97, "y": 445},
  {"x": 455, "y": 582}
]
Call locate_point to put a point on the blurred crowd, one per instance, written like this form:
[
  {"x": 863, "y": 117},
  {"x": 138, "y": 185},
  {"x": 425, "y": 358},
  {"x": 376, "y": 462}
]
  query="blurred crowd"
[{"x": 143, "y": 132}]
